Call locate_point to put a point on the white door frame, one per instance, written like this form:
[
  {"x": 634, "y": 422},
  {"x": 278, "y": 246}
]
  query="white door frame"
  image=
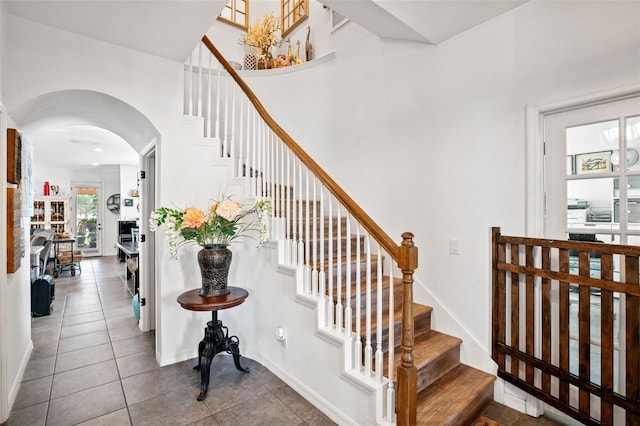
[
  {"x": 4, "y": 386},
  {"x": 147, "y": 267},
  {"x": 535, "y": 192},
  {"x": 534, "y": 149},
  {"x": 101, "y": 203}
]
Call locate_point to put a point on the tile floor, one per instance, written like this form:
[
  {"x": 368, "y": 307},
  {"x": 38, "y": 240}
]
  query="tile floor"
[{"x": 91, "y": 365}]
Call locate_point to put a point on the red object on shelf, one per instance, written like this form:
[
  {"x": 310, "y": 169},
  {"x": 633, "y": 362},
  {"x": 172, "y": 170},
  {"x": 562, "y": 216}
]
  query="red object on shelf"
[{"x": 47, "y": 188}]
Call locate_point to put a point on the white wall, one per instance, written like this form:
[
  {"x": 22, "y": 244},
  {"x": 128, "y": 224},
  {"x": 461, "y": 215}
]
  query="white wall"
[
  {"x": 108, "y": 176},
  {"x": 128, "y": 183},
  {"x": 438, "y": 131},
  {"x": 150, "y": 84}
]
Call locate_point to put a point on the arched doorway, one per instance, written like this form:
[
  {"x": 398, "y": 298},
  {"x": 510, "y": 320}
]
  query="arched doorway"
[{"x": 72, "y": 109}]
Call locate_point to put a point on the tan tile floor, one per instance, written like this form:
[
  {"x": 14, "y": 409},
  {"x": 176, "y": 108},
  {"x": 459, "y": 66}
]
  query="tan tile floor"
[{"x": 91, "y": 365}]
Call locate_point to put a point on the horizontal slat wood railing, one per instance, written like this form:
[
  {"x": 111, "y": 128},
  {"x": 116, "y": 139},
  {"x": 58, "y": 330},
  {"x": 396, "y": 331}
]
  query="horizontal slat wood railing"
[
  {"x": 566, "y": 324},
  {"x": 332, "y": 242}
]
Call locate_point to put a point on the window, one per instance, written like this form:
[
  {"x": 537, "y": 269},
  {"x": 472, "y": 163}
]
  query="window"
[
  {"x": 593, "y": 172},
  {"x": 293, "y": 13},
  {"x": 236, "y": 13}
]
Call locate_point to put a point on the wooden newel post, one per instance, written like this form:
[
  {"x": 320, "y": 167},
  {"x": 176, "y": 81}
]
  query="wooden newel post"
[{"x": 407, "y": 372}]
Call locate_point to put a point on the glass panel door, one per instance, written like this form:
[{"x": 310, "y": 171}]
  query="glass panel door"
[
  {"x": 592, "y": 192},
  {"x": 88, "y": 222}
]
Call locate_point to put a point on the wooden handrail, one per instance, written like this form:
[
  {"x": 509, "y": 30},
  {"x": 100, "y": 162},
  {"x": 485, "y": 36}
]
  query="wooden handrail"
[{"x": 385, "y": 241}]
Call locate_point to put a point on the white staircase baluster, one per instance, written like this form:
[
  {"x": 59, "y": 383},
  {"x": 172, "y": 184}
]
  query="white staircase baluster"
[
  {"x": 190, "y": 70},
  {"x": 367, "y": 346},
  {"x": 254, "y": 149},
  {"x": 208, "y": 119},
  {"x": 225, "y": 144},
  {"x": 289, "y": 213},
  {"x": 232, "y": 142},
  {"x": 246, "y": 166},
  {"x": 272, "y": 164},
  {"x": 237, "y": 164},
  {"x": 307, "y": 224},
  {"x": 330, "y": 309},
  {"x": 339, "y": 272},
  {"x": 200, "y": 80},
  {"x": 300, "y": 283},
  {"x": 218, "y": 104},
  {"x": 357, "y": 351},
  {"x": 391, "y": 402},
  {"x": 314, "y": 262},
  {"x": 322, "y": 277},
  {"x": 379, "y": 353},
  {"x": 347, "y": 300}
]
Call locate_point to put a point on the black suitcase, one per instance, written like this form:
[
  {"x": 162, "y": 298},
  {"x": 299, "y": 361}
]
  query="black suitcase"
[{"x": 42, "y": 291}]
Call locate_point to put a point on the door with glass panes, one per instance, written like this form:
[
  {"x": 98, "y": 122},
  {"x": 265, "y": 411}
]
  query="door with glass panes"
[
  {"x": 88, "y": 231},
  {"x": 592, "y": 193}
]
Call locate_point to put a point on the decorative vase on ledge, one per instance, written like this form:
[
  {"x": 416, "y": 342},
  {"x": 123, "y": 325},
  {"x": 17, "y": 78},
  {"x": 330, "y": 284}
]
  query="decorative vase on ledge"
[{"x": 214, "y": 261}]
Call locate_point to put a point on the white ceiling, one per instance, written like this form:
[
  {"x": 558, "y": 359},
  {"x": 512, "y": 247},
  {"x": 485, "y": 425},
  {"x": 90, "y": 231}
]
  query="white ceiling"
[
  {"x": 424, "y": 21},
  {"x": 67, "y": 125},
  {"x": 165, "y": 28},
  {"x": 80, "y": 147}
]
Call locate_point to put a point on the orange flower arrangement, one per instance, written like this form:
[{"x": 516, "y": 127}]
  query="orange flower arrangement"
[{"x": 222, "y": 223}]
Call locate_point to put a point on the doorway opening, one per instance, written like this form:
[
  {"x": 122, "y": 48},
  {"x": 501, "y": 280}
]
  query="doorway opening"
[{"x": 88, "y": 218}]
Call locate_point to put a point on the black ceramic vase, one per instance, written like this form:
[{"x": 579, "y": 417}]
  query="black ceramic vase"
[{"x": 214, "y": 264}]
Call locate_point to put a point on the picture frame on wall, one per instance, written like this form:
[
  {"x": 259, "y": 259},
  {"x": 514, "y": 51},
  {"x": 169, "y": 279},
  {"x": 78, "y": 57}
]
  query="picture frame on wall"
[{"x": 593, "y": 162}]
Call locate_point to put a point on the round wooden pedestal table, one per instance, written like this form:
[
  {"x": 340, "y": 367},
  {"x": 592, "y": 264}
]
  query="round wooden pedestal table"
[{"x": 216, "y": 336}]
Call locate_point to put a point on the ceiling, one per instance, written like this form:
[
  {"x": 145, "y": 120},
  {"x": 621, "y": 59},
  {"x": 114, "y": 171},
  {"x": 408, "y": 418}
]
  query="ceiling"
[
  {"x": 165, "y": 28},
  {"x": 81, "y": 146},
  {"x": 424, "y": 21}
]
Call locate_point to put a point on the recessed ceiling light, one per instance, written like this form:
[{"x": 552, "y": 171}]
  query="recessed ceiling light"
[
  {"x": 97, "y": 149},
  {"x": 83, "y": 142},
  {"x": 95, "y": 164}
]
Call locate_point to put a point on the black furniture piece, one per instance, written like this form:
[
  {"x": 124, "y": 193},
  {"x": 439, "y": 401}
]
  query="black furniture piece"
[
  {"x": 124, "y": 235},
  {"x": 216, "y": 336},
  {"x": 42, "y": 295},
  {"x": 130, "y": 252}
]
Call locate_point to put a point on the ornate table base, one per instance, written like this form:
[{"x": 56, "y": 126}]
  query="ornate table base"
[{"x": 216, "y": 340}]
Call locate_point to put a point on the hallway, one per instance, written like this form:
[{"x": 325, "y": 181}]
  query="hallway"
[{"x": 91, "y": 365}]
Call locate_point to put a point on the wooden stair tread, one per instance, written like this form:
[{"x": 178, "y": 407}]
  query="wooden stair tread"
[
  {"x": 427, "y": 347},
  {"x": 422, "y": 322},
  {"x": 455, "y": 399}
]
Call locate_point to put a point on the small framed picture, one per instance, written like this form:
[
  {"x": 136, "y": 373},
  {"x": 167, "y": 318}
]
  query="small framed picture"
[
  {"x": 593, "y": 162},
  {"x": 128, "y": 202}
]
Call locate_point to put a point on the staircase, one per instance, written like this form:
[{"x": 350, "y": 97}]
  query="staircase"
[
  {"x": 449, "y": 392},
  {"x": 346, "y": 267}
]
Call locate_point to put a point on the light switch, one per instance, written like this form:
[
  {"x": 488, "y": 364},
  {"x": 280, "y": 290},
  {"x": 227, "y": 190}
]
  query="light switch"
[{"x": 454, "y": 246}]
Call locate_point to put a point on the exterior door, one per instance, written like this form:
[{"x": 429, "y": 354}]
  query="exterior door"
[{"x": 88, "y": 221}]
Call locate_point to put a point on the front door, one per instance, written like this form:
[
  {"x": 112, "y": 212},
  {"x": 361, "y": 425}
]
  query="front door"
[{"x": 88, "y": 229}]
